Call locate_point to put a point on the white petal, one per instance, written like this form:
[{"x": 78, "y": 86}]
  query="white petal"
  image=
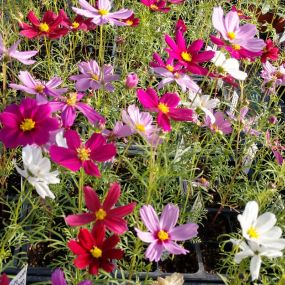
[
  {"x": 255, "y": 264},
  {"x": 265, "y": 222}
]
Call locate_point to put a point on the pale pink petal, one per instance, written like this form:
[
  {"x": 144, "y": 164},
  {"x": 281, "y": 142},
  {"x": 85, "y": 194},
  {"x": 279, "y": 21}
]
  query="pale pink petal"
[
  {"x": 150, "y": 218},
  {"x": 145, "y": 236},
  {"x": 169, "y": 217},
  {"x": 184, "y": 232},
  {"x": 154, "y": 251},
  {"x": 174, "y": 248}
]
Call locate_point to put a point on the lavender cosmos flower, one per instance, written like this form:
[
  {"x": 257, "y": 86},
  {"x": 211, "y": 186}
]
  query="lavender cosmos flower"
[
  {"x": 28, "y": 123},
  {"x": 162, "y": 232},
  {"x": 68, "y": 106},
  {"x": 39, "y": 88},
  {"x": 92, "y": 77},
  {"x": 102, "y": 15},
  {"x": 58, "y": 278},
  {"x": 221, "y": 125},
  {"x": 22, "y": 56}
]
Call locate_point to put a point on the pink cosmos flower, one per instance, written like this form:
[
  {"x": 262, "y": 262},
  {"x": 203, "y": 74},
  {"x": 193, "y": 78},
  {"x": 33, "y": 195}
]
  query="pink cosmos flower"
[
  {"x": 165, "y": 107},
  {"x": 49, "y": 26},
  {"x": 68, "y": 106},
  {"x": 276, "y": 148},
  {"x": 141, "y": 123},
  {"x": 103, "y": 214},
  {"x": 79, "y": 155},
  {"x": 221, "y": 125},
  {"x": 22, "y": 56},
  {"x": 119, "y": 131},
  {"x": 163, "y": 233},
  {"x": 28, "y": 123},
  {"x": 102, "y": 15},
  {"x": 156, "y": 5},
  {"x": 190, "y": 56},
  {"x": 92, "y": 77},
  {"x": 39, "y": 88},
  {"x": 237, "y": 37}
]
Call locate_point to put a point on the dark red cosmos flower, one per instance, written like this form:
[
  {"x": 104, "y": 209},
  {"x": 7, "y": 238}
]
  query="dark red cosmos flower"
[
  {"x": 132, "y": 21},
  {"x": 270, "y": 51},
  {"x": 156, "y": 5},
  {"x": 94, "y": 251},
  {"x": 103, "y": 214},
  {"x": 4, "y": 280},
  {"x": 189, "y": 56},
  {"x": 240, "y": 13},
  {"x": 50, "y": 26},
  {"x": 79, "y": 23}
]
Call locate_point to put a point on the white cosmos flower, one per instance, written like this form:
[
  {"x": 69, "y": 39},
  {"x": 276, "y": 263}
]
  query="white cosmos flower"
[
  {"x": 230, "y": 65},
  {"x": 255, "y": 251},
  {"x": 37, "y": 170},
  {"x": 260, "y": 229},
  {"x": 173, "y": 279},
  {"x": 204, "y": 103}
]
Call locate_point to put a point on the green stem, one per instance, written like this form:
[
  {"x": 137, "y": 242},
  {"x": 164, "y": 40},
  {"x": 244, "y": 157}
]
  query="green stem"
[
  {"x": 4, "y": 72},
  {"x": 47, "y": 52},
  {"x": 80, "y": 189}
]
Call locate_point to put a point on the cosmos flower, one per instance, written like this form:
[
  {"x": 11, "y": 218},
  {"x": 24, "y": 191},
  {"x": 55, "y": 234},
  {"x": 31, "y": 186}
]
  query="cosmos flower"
[
  {"x": 79, "y": 155},
  {"x": 4, "y": 280},
  {"x": 220, "y": 125},
  {"x": 276, "y": 148},
  {"x": 69, "y": 105},
  {"x": 162, "y": 232},
  {"x": 101, "y": 14},
  {"x": 39, "y": 88},
  {"x": 57, "y": 278},
  {"x": 12, "y": 52},
  {"x": 95, "y": 251},
  {"x": 92, "y": 77},
  {"x": 79, "y": 23},
  {"x": 156, "y": 5},
  {"x": 132, "y": 21},
  {"x": 166, "y": 107},
  {"x": 105, "y": 213},
  {"x": 49, "y": 26},
  {"x": 37, "y": 170},
  {"x": 270, "y": 51},
  {"x": 27, "y": 123},
  {"x": 119, "y": 131}
]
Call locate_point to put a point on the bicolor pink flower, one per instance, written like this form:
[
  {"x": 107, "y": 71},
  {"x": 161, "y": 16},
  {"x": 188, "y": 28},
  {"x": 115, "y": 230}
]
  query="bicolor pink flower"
[
  {"x": 92, "y": 77},
  {"x": 237, "y": 37},
  {"x": 221, "y": 125},
  {"x": 162, "y": 232},
  {"x": 156, "y": 5},
  {"x": 191, "y": 57},
  {"x": 49, "y": 26},
  {"x": 101, "y": 14},
  {"x": 79, "y": 155},
  {"x": 276, "y": 148},
  {"x": 69, "y": 105},
  {"x": 166, "y": 107},
  {"x": 27, "y": 123},
  {"x": 12, "y": 52},
  {"x": 103, "y": 214},
  {"x": 39, "y": 88}
]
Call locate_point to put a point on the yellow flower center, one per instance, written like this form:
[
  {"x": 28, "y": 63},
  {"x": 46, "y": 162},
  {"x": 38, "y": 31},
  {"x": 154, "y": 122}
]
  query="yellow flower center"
[
  {"x": 101, "y": 214},
  {"x": 95, "y": 77},
  {"x": 162, "y": 235},
  {"x": 176, "y": 75},
  {"x": 169, "y": 67},
  {"x": 75, "y": 25},
  {"x": 83, "y": 153},
  {"x": 129, "y": 22},
  {"x": 96, "y": 252},
  {"x": 203, "y": 180},
  {"x": 163, "y": 108},
  {"x": 231, "y": 35},
  {"x": 103, "y": 12},
  {"x": 252, "y": 232},
  {"x": 39, "y": 88},
  {"x": 71, "y": 101},
  {"x": 140, "y": 127},
  {"x": 186, "y": 56},
  {"x": 153, "y": 7},
  {"x": 27, "y": 125},
  {"x": 43, "y": 27},
  {"x": 236, "y": 47}
]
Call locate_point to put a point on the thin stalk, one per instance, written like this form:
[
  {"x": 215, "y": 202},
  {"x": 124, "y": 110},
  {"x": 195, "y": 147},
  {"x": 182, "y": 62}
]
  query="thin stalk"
[
  {"x": 4, "y": 74},
  {"x": 80, "y": 189}
]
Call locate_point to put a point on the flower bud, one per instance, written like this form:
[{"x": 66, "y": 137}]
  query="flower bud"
[{"x": 132, "y": 80}]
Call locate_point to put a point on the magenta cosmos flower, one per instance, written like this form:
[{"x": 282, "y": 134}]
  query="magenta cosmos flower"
[
  {"x": 22, "y": 56},
  {"x": 162, "y": 232},
  {"x": 165, "y": 106},
  {"x": 103, "y": 214},
  {"x": 79, "y": 155},
  {"x": 92, "y": 77},
  {"x": 28, "y": 123},
  {"x": 238, "y": 37},
  {"x": 49, "y": 26},
  {"x": 102, "y": 15},
  {"x": 39, "y": 88},
  {"x": 191, "y": 57},
  {"x": 70, "y": 104}
]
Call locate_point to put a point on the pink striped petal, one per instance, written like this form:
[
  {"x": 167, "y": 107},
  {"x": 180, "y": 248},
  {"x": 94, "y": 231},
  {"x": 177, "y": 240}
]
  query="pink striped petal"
[
  {"x": 150, "y": 218},
  {"x": 169, "y": 217},
  {"x": 154, "y": 251},
  {"x": 184, "y": 232},
  {"x": 145, "y": 236},
  {"x": 174, "y": 248}
]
